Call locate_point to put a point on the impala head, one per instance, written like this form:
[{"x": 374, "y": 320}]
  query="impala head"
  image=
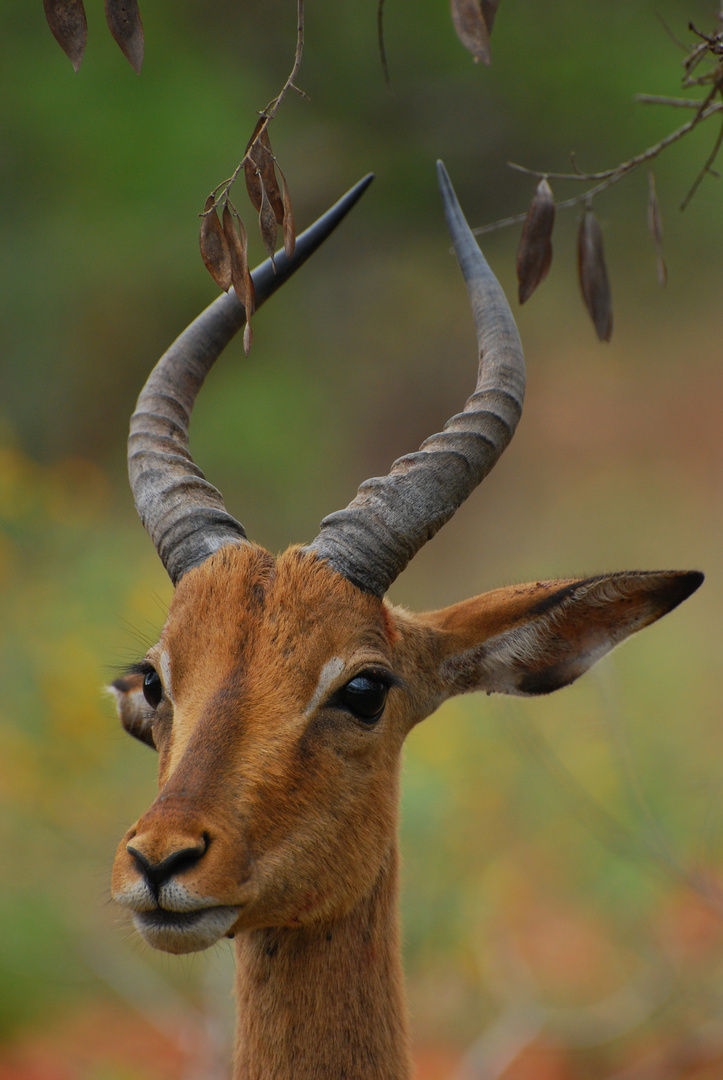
[{"x": 281, "y": 690}]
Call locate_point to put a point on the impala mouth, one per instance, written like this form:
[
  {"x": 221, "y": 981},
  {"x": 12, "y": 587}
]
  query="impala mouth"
[{"x": 184, "y": 931}]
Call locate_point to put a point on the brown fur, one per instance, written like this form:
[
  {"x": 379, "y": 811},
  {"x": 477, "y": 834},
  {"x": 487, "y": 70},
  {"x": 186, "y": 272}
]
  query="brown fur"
[
  {"x": 325, "y": 1000},
  {"x": 283, "y": 806}
]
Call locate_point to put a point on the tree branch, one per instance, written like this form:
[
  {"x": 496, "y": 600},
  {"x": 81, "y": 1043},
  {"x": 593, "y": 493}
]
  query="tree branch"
[
  {"x": 707, "y": 168},
  {"x": 606, "y": 179},
  {"x": 220, "y": 192}
]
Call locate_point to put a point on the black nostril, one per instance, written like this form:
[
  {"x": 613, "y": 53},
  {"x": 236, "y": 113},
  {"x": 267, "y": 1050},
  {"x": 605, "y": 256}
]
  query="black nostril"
[
  {"x": 157, "y": 874},
  {"x": 139, "y": 858}
]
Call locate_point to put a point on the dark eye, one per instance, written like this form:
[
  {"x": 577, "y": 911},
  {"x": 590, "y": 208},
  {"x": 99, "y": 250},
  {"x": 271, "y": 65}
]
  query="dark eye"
[
  {"x": 152, "y": 688},
  {"x": 365, "y": 697}
]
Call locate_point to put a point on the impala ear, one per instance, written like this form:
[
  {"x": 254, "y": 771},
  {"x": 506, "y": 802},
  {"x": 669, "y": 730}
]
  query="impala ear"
[
  {"x": 535, "y": 638},
  {"x": 133, "y": 709}
]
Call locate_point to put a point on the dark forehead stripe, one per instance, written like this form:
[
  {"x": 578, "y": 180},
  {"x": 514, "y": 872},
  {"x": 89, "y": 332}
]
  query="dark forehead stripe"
[{"x": 261, "y": 579}]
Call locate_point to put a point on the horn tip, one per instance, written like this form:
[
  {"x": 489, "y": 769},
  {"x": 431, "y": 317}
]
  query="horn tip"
[
  {"x": 450, "y": 202},
  {"x": 445, "y": 184}
]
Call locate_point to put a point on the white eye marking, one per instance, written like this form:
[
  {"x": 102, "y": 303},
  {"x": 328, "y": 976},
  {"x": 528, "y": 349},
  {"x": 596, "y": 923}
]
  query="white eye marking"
[
  {"x": 331, "y": 670},
  {"x": 165, "y": 665}
]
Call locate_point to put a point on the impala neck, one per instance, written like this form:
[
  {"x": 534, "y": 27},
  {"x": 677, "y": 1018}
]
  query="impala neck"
[{"x": 326, "y": 1001}]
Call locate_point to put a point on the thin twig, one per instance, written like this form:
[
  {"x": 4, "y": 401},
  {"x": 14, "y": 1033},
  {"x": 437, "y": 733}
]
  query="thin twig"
[
  {"x": 606, "y": 179},
  {"x": 221, "y": 191},
  {"x": 707, "y": 168},
  {"x": 670, "y": 34},
  {"x": 676, "y": 102},
  {"x": 712, "y": 45},
  {"x": 705, "y": 109},
  {"x": 382, "y": 49},
  {"x": 503, "y": 223}
]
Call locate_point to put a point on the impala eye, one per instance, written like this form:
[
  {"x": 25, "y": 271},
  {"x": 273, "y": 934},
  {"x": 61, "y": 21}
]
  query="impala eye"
[
  {"x": 365, "y": 697},
  {"x": 152, "y": 688}
]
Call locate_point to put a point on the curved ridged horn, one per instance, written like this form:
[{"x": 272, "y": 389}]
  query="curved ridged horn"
[
  {"x": 372, "y": 541},
  {"x": 183, "y": 513}
]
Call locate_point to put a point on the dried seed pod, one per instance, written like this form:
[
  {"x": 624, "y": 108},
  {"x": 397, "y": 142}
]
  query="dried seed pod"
[
  {"x": 240, "y": 274},
  {"x": 471, "y": 28},
  {"x": 214, "y": 246},
  {"x": 264, "y": 158},
  {"x": 534, "y": 254},
  {"x": 594, "y": 276},
  {"x": 124, "y": 21},
  {"x": 267, "y": 225},
  {"x": 288, "y": 222},
  {"x": 252, "y": 171},
  {"x": 66, "y": 19},
  {"x": 271, "y": 201},
  {"x": 655, "y": 225},
  {"x": 489, "y": 10}
]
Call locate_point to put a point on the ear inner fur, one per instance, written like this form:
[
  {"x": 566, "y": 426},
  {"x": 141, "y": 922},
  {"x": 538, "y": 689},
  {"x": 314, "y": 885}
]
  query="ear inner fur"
[{"x": 535, "y": 638}]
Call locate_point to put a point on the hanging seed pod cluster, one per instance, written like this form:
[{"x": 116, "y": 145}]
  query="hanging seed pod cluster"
[
  {"x": 66, "y": 19},
  {"x": 534, "y": 254},
  {"x": 534, "y": 258},
  {"x": 224, "y": 243},
  {"x": 271, "y": 202}
]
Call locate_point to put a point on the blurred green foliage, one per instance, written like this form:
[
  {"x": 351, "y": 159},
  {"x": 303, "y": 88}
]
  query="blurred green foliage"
[{"x": 617, "y": 463}]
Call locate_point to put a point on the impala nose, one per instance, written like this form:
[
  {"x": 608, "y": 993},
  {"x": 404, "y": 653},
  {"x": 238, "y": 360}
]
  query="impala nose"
[{"x": 182, "y": 857}]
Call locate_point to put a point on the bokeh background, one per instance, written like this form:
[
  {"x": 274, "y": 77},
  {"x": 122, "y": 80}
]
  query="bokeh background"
[{"x": 562, "y": 898}]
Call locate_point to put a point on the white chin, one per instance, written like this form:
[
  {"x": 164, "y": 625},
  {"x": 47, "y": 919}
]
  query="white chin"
[{"x": 184, "y": 931}]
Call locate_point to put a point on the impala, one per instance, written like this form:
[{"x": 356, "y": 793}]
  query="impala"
[{"x": 281, "y": 690}]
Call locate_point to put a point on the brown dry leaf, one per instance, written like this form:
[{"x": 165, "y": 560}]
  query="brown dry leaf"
[
  {"x": 594, "y": 276},
  {"x": 248, "y": 337},
  {"x": 124, "y": 21},
  {"x": 471, "y": 28},
  {"x": 253, "y": 183},
  {"x": 534, "y": 254},
  {"x": 265, "y": 160},
  {"x": 248, "y": 283},
  {"x": 271, "y": 201},
  {"x": 214, "y": 247},
  {"x": 267, "y": 225},
  {"x": 66, "y": 19},
  {"x": 655, "y": 224},
  {"x": 489, "y": 10},
  {"x": 240, "y": 274},
  {"x": 288, "y": 222},
  {"x": 252, "y": 170}
]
